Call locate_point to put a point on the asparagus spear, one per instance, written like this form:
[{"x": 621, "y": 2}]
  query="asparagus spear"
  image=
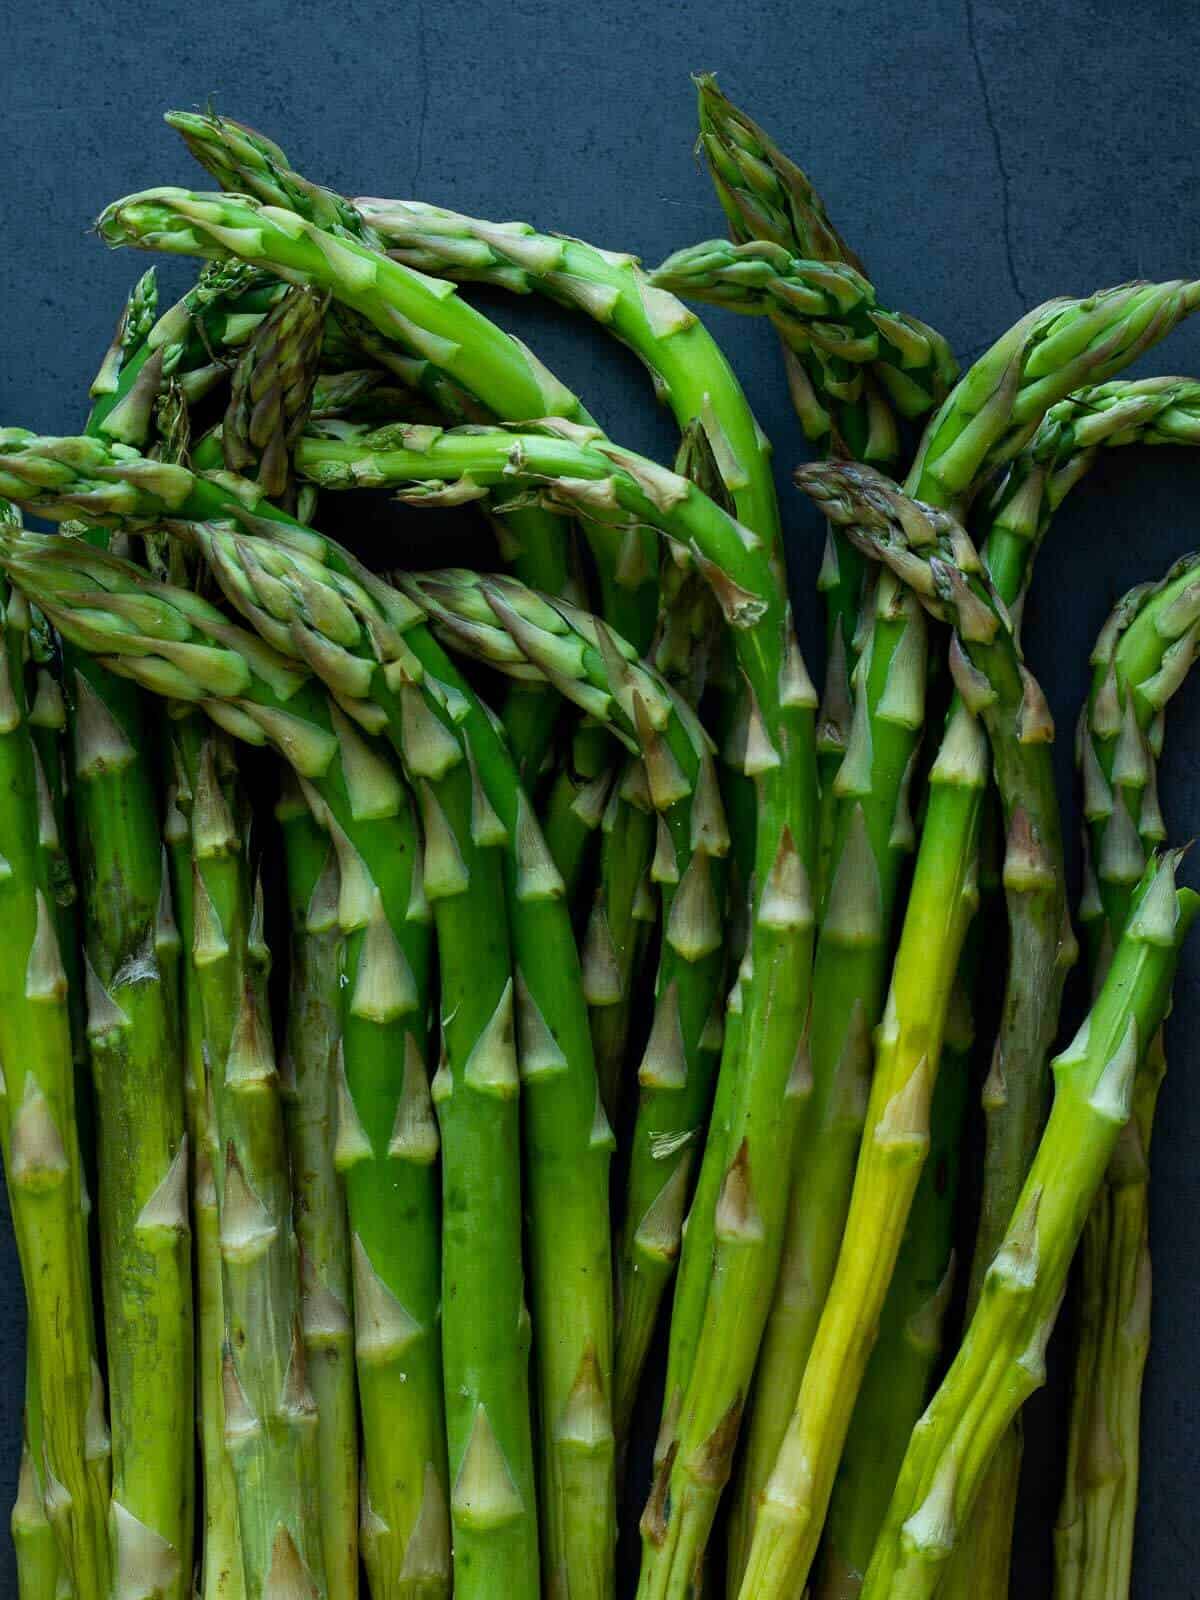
[
  {"x": 824, "y": 311},
  {"x": 1142, "y": 656},
  {"x": 271, "y": 392},
  {"x": 221, "y": 1569},
  {"x": 911, "y": 1328},
  {"x": 1001, "y": 1361},
  {"x": 766, "y": 197},
  {"x": 130, "y": 943},
  {"x": 308, "y": 1082}
]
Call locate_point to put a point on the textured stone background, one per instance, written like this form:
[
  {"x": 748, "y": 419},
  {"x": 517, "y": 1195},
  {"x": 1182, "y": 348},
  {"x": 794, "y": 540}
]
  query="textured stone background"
[{"x": 981, "y": 156}]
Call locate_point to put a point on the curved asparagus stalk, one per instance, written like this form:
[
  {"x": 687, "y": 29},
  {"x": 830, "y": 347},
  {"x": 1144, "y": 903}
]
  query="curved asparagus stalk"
[
  {"x": 39, "y": 1140},
  {"x": 1001, "y": 1360},
  {"x": 308, "y": 1083},
  {"x": 252, "y": 165},
  {"x": 1142, "y": 656},
  {"x": 131, "y": 947}
]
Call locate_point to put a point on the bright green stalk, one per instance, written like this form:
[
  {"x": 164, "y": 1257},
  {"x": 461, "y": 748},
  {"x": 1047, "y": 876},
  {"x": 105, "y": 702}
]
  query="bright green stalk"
[
  {"x": 221, "y": 1575},
  {"x": 616, "y": 935},
  {"x": 897, "y": 1381},
  {"x": 131, "y": 943},
  {"x": 39, "y": 1138},
  {"x": 1141, "y": 658},
  {"x": 39, "y": 1566},
  {"x": 308, "y": 1081},
  {"x": 1002, "y": 1357},
  {"x": 386, "y": 1149}
]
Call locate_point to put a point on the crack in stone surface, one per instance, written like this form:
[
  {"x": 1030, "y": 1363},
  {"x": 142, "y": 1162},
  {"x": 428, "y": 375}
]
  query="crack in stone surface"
[{"x": 997, "y": 149}]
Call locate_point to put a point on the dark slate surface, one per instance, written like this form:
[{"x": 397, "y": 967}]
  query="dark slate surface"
[{"x": 981, "y": 157}]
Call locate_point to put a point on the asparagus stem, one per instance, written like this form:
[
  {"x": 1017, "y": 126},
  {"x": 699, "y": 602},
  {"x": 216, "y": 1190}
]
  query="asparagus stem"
[
  {"x": 308, "y": 1081},
  {"x": 222, "y": 1574},
  {"x": 39, "y": 1565},
  {"x": 270, "y": 1415},
  {"x": 824, "y": 311},
  {"x": 39, "y": 1139},
  {"x": 131, "y": 943},
  {"x": 1002, "y": 1357},
  {"x": 897, "y": 1380},
  {"x": 1141, "y": 658}
]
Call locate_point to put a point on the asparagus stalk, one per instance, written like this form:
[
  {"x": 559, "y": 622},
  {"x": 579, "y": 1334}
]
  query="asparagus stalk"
[
  {"x": 766, "y": 197},
  {"x": 1035, "y": 483},
  {"x": 222, "y": 1575},
  {"x": 39, "y": 1140},
  {"x": 131, "y": 951},
  {"x": 1142, "y": 656},
  {"x": 911, "y": 1329},
  {"x": 270, "y": 1415},
  {"x": 271, "y": 392},
  {"x": 386, "y": 1147},
  {"x": 308, "y": 1080},
  {"x": 824, "y": 311},
  {"x": 1002, "y": 1357}
]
